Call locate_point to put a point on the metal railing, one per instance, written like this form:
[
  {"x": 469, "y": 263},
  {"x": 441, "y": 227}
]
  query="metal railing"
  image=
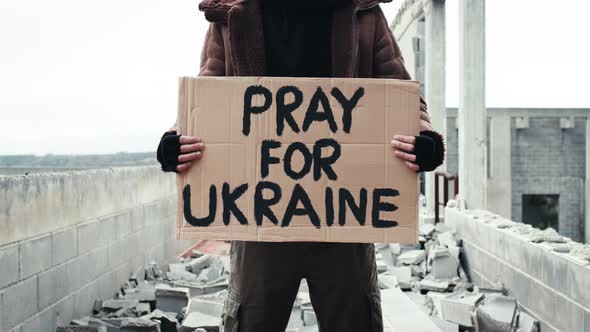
[{"x": 447, "y": 177}]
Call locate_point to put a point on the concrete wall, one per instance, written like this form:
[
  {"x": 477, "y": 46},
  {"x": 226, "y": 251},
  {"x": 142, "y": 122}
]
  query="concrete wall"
[
  {"x": 69, "y": 238},
  {"x": 406, "y": 44},
  {"x": 547, "y": 155},
  {"x": 547, "y": 159},
  {"x": 554, "y": 287}
]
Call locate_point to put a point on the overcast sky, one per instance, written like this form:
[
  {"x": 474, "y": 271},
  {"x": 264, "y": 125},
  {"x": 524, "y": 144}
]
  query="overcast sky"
[{"x": 80, "y": 76}]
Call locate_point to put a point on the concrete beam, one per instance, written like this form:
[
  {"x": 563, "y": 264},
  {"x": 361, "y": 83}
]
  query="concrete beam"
[
  {"x": 587, "y": 185},
  {"x": 435, "y": 79},
  {"x": 410, "y": 11},
  {"x": 499, "y": 198},
  {"x": 472, "y": 105}
]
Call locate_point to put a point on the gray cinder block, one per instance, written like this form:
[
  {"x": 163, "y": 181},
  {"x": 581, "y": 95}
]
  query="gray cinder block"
[
  {"x": 64, "y": 245},
  {"x": 19, "y": 302},
  {"x": 9, "y": 265},
  {"x": 34, "y": 256},
  {"x": 55, "y": 284},
  {"x": 45, "y": 321},
  {"x": 88, "y": 238}
]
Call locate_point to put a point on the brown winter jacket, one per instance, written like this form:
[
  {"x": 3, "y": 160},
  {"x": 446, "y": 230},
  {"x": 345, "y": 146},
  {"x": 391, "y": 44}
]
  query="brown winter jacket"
[{"x": 362, "y": 43}]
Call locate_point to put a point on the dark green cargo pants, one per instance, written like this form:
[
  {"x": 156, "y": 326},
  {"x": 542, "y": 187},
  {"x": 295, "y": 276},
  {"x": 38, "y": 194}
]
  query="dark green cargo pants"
[{"x": 265, "y": 278}]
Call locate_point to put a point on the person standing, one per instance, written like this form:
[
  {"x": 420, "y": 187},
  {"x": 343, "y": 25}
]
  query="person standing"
[{"x": 302, "y": 38}]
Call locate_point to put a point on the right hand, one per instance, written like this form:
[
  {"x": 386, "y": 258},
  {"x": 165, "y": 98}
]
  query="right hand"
[
  {"x": 191, "y": 149},
  {"x": 176, "y": 153}
]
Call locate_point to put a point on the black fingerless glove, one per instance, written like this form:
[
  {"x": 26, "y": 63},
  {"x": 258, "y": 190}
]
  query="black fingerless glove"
[
  {"x": 429, "y": 150},
  {"x": 168, "y": 151}
]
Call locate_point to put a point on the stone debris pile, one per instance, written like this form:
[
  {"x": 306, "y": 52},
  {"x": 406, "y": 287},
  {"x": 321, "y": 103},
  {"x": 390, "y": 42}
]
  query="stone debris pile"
[
  {"x": 189, "y": 295},
  {"x": 432, "y": 276}
]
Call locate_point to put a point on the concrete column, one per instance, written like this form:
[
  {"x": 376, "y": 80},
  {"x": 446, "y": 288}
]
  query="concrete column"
[
  {"x": 435, "y": 40},
  {"x": 472, "y": 104},
  {"x": 587, "y": 184},
  {"x": 499, "y": 198}
]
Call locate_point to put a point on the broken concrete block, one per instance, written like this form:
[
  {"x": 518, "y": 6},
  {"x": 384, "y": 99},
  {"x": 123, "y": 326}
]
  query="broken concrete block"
[
  {"x": 82, "y": 321},
  {"x": 302, "y": 298},
  {"x": 115, "y": 305},
  {"x": 139, "y": 325},
  {"x": 177, "y": 268},
  {"x": 421, "y": 240},
  {"x": 426, "y": 229},
  {"x": 198, "y": 289},
  {"x": 429, "y": 245},
  {"x": 211, "y": 308},
  {"x": 403, "y": 275},
  {"x": 309, "y": 318},
  {"x": 447, "y": 239},
  {"x": 381, "y": 266},
  {"x": 195, "y": 253},
  {"x": 581, "y": 252},
  {"x": 435, "y": 299},
  {"x": 122, "y": 313},
  {"x": 218, "y": 297},
  {"x": 144, "y": 293},
  {"x": 211, "y": 273},
  {"x": 411, "y": 257},
  {"x": 196, "y": 265},
  {"x": 443, "y": 264},
  {"x": 153, "y": 271},
  {"x": 195, "y": 320},
  {"x": 168, "y": 321},
  {"x": 433, "y": 285},
  {"x": 112, "y": 324},
  {"x": 81, "y": 328},
  {"x": 458, "y": 307},
  {"x": 526, "y": 323},
  {"x": 143, "y": 308},
  {"x": 181, "y": 275},
  {"x": 396, "y": 248},
  {"x": 387, "y": 281},
  {"x": 547, "y": 235},
  {"x": 171, "y": 299},
  {"x": 496, "y": 313},
  {"x": 418, "y": 271},
  {"x": 141, "y": 294}
]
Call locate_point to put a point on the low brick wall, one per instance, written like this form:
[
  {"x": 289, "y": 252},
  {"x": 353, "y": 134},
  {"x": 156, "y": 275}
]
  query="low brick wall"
[
  {"x": 69, "y": 238},
  {"x": 554, "y": 287}
]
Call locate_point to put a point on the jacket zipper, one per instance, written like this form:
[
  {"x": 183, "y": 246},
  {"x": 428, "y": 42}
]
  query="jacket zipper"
[{"x": 353, "y": 63}]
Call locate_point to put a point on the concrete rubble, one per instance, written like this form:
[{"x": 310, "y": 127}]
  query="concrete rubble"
[
  {"x": 431, "y": 276},
  {"x": 189, "y": 295}
]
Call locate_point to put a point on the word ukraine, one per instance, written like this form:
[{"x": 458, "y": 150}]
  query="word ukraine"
[{"x": 317, "y": 163}]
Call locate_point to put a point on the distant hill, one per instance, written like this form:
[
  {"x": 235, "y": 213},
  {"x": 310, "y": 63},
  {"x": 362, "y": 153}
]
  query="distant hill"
[{"x": 54, "y": 161}]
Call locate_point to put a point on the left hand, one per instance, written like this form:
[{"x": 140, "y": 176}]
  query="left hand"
[{"x": 404, "y": 149}]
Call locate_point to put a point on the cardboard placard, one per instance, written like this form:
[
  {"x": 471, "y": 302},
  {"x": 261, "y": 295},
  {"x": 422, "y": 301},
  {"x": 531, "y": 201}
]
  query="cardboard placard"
[{"x": 298, "y": 159}]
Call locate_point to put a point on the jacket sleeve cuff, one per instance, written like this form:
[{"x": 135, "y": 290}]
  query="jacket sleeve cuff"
[
  {"x": 168, "y": 151},
  {"x": 438, "y": 153}
]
